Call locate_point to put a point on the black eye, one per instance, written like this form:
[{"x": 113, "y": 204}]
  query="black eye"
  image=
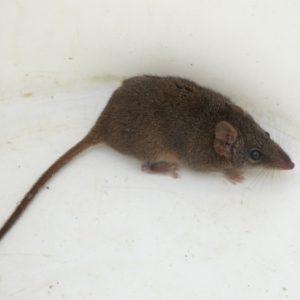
[
  {"x": 268, "y": 134},
  {"x": 255, "y": 155}
]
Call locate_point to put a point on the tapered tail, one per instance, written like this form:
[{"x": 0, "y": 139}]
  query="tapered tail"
[{"x": 54, "y": 168}]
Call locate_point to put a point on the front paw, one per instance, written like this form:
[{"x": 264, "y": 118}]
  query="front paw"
[{"x": 234, "y": 176}]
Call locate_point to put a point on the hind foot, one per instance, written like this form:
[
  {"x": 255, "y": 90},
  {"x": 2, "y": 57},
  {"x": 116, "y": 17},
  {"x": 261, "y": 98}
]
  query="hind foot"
[{"x": 161, "y": 167}]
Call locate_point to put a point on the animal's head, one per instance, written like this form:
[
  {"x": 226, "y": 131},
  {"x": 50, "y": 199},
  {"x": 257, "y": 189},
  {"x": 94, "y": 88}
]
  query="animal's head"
[{"x": 246, "y": 144}]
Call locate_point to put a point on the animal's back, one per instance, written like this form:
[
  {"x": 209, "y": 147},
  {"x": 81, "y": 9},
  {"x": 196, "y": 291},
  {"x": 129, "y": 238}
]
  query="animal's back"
[{"x": 152, "y": 118}]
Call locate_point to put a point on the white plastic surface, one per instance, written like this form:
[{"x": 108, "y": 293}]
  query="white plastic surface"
[{"x": 101, "y": 228}]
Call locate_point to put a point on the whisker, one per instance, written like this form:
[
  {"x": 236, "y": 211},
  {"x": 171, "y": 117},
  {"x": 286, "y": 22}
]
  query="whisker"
[
  {"x": 256, "y": 180},
  {"x": 265, "y": 176}
]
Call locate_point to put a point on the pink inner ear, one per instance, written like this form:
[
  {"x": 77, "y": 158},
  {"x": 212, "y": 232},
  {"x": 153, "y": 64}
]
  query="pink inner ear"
[
  {"x": 225, "y": 136},
  {"x": 230, "y": 139},
  {"x": 226, "y": 131}
]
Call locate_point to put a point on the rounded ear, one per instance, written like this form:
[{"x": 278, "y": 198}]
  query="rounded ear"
[
  {"x": 225, "y": 137},
  {"x": 236, "y": 108}
]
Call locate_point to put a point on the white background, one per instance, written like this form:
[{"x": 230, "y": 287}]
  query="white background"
[{"x": 104, "y": 229}]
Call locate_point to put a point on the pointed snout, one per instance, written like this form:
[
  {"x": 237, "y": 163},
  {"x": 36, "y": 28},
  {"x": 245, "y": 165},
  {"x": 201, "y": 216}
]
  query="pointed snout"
[
  {"x": 283, "y": 165},
  {"x": 289, "y": 166}
]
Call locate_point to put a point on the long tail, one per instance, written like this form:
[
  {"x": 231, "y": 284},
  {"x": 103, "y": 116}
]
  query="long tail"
[{"x": 54, "y": 168}]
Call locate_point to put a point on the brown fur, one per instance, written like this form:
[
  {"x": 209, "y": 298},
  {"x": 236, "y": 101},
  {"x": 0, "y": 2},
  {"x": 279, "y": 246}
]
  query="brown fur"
[{"x": 167, "y": 121}]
